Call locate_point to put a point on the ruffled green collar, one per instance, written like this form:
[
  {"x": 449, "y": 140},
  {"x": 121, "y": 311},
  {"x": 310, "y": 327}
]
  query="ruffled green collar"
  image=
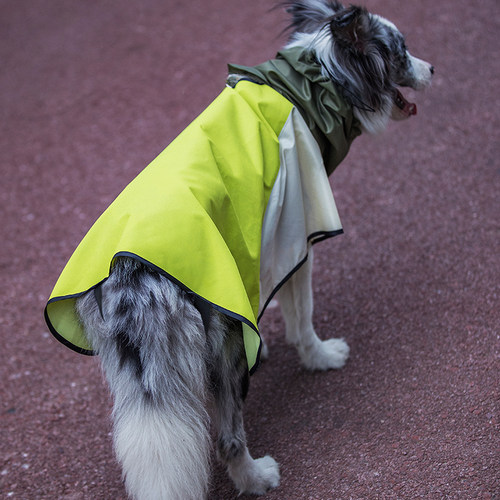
[{"x": 296, "y": 74}]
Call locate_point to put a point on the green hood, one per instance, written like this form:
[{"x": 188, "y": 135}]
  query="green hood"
[{"x": 296, "y": 74}]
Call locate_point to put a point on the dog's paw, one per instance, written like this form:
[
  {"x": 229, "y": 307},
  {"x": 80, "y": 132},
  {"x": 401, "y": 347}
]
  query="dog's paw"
[
  {"x": 325, "y": 354},
  {"x": 258, "y": 476}
]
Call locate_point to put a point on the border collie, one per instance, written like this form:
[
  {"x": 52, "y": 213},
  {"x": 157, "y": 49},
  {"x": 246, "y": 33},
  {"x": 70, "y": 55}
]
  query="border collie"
[{"x": 176, "y": 360}]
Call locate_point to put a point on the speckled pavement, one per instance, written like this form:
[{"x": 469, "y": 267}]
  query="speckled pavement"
[{"x": 91, "y": 91}]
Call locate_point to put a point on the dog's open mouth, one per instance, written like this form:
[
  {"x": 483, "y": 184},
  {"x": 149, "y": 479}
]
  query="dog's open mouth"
[{"x": 402, "y": 108}]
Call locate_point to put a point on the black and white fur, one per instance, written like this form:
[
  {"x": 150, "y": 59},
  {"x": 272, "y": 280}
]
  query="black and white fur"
[
  {"x": 169, "y": 372},
  {"x": 363, "y": 53}
]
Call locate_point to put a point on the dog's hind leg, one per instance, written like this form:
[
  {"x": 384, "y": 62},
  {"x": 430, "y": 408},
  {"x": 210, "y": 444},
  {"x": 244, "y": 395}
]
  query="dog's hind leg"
[
  {"x": 153, "y": 348},
  {"x": 230, "y": 384},
  {"x": 296, "y": 301}
]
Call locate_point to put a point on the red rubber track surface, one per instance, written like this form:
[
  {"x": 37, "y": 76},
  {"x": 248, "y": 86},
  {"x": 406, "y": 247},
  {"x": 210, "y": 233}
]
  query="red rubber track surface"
[{"x": 91, "y": 91}]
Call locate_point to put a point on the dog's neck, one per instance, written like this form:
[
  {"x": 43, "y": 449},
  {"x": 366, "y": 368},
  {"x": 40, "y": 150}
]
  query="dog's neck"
[{"x": 297, "y": 76}]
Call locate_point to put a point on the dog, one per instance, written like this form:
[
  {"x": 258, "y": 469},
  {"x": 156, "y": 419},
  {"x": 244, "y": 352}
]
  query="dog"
[{"x": 177, "y": 339}]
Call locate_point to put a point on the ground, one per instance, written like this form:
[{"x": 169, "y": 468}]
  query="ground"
[{"x": 91, "y": 91}]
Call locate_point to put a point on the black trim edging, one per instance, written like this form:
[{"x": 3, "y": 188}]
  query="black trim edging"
[{"x": 312, "y": 238}]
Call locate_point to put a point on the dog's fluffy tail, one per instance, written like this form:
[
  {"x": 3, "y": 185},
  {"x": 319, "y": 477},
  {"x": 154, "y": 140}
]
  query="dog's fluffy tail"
[
  {"x": 153, "y": 349},
  {"x": 163, "y": 454}
]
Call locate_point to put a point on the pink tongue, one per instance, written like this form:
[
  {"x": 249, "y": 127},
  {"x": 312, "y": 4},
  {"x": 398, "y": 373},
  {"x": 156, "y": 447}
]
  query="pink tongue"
[{"x": 408, "y": 108}]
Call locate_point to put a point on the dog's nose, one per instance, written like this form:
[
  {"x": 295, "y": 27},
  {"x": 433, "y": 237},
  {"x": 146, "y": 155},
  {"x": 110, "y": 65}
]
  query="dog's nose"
[{"x": 431, "y": 70}]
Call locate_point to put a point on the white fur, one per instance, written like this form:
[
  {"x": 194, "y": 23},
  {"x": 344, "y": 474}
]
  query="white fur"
[
  {"x": 374, "y": 123},
  {"x": 254, "y": 477},
  {"x": 296, "y": 300},
  {"x": 422, "y": 71},
  {"x": 163, "y": 456}
]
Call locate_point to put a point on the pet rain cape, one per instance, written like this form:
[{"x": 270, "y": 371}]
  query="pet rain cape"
[{"x": 229, "y": 209}]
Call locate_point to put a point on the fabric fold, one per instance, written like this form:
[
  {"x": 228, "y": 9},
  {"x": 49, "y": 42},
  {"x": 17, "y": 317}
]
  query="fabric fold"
[
  {"x": 297, "y": 75},
  {"x": 229, "y": 210}
]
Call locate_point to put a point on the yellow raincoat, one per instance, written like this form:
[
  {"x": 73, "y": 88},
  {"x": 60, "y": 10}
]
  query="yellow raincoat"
[{"x": 196, "y": 213}]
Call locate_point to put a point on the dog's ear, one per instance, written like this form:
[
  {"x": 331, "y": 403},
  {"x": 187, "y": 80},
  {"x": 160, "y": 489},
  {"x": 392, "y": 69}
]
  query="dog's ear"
[{"x": 350, "y": 28}]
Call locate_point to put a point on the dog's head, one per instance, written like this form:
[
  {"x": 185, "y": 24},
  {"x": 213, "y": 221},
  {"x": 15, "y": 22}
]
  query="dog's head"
[{"x": 364, "y": 54}]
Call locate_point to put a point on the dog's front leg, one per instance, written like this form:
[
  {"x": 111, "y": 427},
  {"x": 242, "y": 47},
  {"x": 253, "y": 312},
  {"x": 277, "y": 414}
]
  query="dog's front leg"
[
  {"x": 296, "y": 301},
  {"x": 230, "y": 383}
]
